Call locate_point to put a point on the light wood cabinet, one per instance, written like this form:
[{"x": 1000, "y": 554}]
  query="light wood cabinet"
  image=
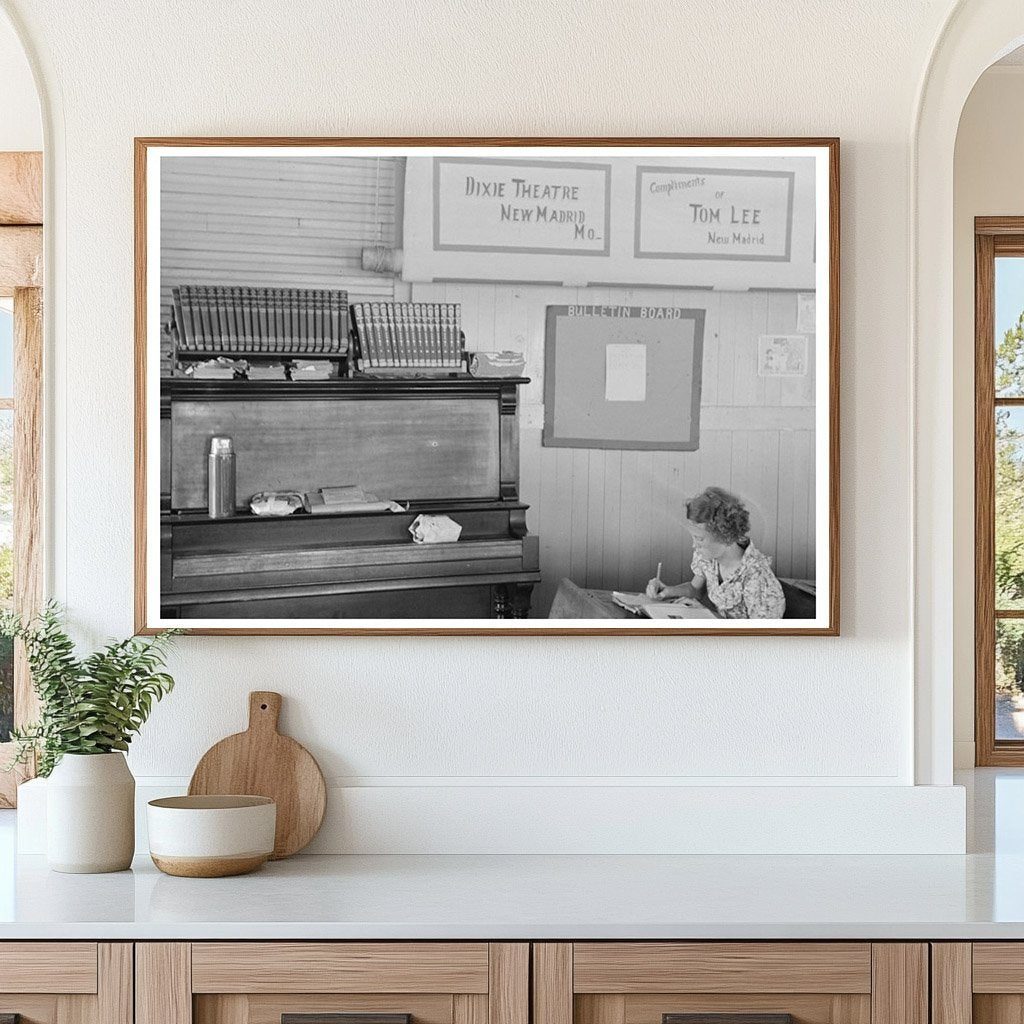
[
  {"x": 260, "y": 982},
  {"x": 66, "y": 982},
  {"x": 978, "y": 983},
  {"x": 651, "y": 982},
  {"x": 494, "y": 983}
]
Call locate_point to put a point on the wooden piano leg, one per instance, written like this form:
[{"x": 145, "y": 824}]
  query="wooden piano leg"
[{"x": 501, "y": 601}]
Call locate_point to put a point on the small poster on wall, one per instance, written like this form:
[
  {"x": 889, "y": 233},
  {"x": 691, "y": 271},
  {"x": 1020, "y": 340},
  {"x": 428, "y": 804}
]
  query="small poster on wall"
[
  {"x": 806, "y": 313},
  {"x": 782, "y": 355}
]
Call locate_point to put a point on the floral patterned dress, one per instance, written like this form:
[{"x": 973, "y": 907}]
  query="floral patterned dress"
[{"x": 750, "y": 591}]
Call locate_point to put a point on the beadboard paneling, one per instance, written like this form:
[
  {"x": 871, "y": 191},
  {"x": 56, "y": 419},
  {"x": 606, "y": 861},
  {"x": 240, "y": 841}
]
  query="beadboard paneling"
[{"x": 296, "y": 222}]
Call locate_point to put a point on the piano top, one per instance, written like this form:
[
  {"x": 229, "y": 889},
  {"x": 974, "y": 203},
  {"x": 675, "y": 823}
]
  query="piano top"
[
  {"x": 185, "y": 388},
  {"x": 198, "y": 517}
]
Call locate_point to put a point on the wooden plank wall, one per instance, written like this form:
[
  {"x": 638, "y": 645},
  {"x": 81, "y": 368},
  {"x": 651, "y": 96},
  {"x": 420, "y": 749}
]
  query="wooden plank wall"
[
  {"x": 606, "y": 518},
  {"x": 275, "y": 222}
]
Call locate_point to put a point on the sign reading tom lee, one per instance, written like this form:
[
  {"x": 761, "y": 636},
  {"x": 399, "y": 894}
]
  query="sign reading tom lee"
[{"x": 704, "y": 213}]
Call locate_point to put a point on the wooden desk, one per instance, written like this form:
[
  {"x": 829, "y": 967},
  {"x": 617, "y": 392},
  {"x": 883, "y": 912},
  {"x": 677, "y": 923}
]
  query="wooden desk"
[{"x": 574, "y": 602}]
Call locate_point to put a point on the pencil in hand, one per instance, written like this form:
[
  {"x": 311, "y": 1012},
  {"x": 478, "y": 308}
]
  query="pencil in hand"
[{"x": 655, "y": 586}]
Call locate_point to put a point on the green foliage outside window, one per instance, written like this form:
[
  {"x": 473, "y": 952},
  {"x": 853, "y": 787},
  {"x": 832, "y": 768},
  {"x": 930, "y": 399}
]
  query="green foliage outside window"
[{"x": 1009, "y": 511}]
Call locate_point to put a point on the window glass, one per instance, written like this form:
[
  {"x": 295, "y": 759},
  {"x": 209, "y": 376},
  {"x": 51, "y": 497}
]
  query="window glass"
[
  {"x": 1009, "y": 496},
  {"x": 1009, "y": 327},
  {"x": 1009, "y": 679},
  {"x": 1009, "y": 511},
  {"x": 6, "y": 353}
]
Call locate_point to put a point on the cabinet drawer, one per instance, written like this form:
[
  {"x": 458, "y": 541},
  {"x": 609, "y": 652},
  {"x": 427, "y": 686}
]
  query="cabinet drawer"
[
  {"x": 64, "y": 967},
  {"x": 998, "y": 968},
  {"x": 630, "y": 967},
  {"x": 980, "y": 982},
  {"x": 332, "y": 983},
  {"x": 730, "y": 983},
  {"x": 340, "y": 967},
  {"x": 66, "y": 982}
]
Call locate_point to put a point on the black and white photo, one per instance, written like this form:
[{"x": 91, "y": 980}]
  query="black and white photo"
[{"x": 456, "y": 386}]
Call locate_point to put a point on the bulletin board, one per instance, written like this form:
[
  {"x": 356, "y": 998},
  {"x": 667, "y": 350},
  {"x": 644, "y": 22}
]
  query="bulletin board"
[{"x": 626, "y": 377}]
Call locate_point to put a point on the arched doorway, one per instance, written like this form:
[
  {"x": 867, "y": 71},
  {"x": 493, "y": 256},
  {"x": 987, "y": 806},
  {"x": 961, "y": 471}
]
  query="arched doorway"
[
  {"x": 976, "y": 34},
  {"x": 21, "y": 349}
]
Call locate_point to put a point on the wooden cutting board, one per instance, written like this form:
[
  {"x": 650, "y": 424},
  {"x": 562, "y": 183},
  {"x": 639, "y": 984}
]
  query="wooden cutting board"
[{"x": 262, "y": 762}]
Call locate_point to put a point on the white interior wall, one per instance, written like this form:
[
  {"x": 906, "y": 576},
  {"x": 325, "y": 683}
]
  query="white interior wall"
[
  {"x": 21, "y": 127},
  {"x": 451, "y": 714},
  {"x": 987, "y": 182}
]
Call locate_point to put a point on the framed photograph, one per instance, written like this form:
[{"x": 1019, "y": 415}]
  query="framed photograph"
[{"x": 487, "y": 386}]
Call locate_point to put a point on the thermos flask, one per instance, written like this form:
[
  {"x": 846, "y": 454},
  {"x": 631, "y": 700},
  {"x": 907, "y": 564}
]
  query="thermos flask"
[{"x": 221, "y": 465}]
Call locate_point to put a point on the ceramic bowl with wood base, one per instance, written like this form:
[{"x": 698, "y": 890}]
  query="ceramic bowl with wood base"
[{"x": 211, "y": 836}]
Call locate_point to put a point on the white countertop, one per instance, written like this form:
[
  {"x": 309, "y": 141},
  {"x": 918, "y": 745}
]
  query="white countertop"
[
  {"x": 978, "y": 896},
  {"x": 517, "y": 897}
]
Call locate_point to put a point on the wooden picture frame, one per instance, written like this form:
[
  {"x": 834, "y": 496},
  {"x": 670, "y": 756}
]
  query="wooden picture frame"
[{"x": 479, "y": 435}]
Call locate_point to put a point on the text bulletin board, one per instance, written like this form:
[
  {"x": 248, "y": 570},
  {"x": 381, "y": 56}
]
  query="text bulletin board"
[{"x": 624, "y": 377}]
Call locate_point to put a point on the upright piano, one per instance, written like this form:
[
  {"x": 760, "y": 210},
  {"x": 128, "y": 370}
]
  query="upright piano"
[{"x": 442, "y": 446}]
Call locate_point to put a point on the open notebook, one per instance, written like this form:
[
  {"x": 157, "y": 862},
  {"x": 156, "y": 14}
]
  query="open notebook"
[{"x": 641, "y": 604}]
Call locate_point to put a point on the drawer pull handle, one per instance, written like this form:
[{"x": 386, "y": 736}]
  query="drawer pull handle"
[
  {"x": 727, "y": 1018},
  {"x": 339, "y": 1018}
]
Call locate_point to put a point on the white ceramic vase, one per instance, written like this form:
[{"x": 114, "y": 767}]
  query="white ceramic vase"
[{"x": 90, "y": 814}]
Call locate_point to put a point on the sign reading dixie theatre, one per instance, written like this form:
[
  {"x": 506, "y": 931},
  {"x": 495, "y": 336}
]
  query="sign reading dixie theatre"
[
  {"x": 524, "y": 206},
  {"x": 711, "y": 214}
]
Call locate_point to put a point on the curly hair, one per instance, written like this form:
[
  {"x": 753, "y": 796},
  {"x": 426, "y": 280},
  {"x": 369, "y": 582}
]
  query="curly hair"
[{"x": 724, "y": 515}]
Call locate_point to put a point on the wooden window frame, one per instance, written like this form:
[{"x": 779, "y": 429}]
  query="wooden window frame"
[
  {"x": 993, "y": 237},
  {"x": 21, "y": 277}
]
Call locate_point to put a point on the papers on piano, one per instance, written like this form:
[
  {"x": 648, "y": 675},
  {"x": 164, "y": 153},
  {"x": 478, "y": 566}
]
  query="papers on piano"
[
  {"x": 266, "y": 371},
  {"x": 497, "y": 364},
  {"x": 220, "y": 368},
  {"x": 275, "y": 503},
  {"x": 641, "y": 604},
  {"x": 348, "y": 498},
  {"x": 315, "y": 370},
  {"x": 435, "y": 530}
]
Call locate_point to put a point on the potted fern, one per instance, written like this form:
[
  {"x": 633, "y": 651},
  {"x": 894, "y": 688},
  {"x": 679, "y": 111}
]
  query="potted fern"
[{"x": 90, "y": 708}]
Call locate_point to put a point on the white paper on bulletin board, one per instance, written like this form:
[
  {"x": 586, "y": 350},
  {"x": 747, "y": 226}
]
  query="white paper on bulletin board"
[{"x": 625, "y": 373}]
